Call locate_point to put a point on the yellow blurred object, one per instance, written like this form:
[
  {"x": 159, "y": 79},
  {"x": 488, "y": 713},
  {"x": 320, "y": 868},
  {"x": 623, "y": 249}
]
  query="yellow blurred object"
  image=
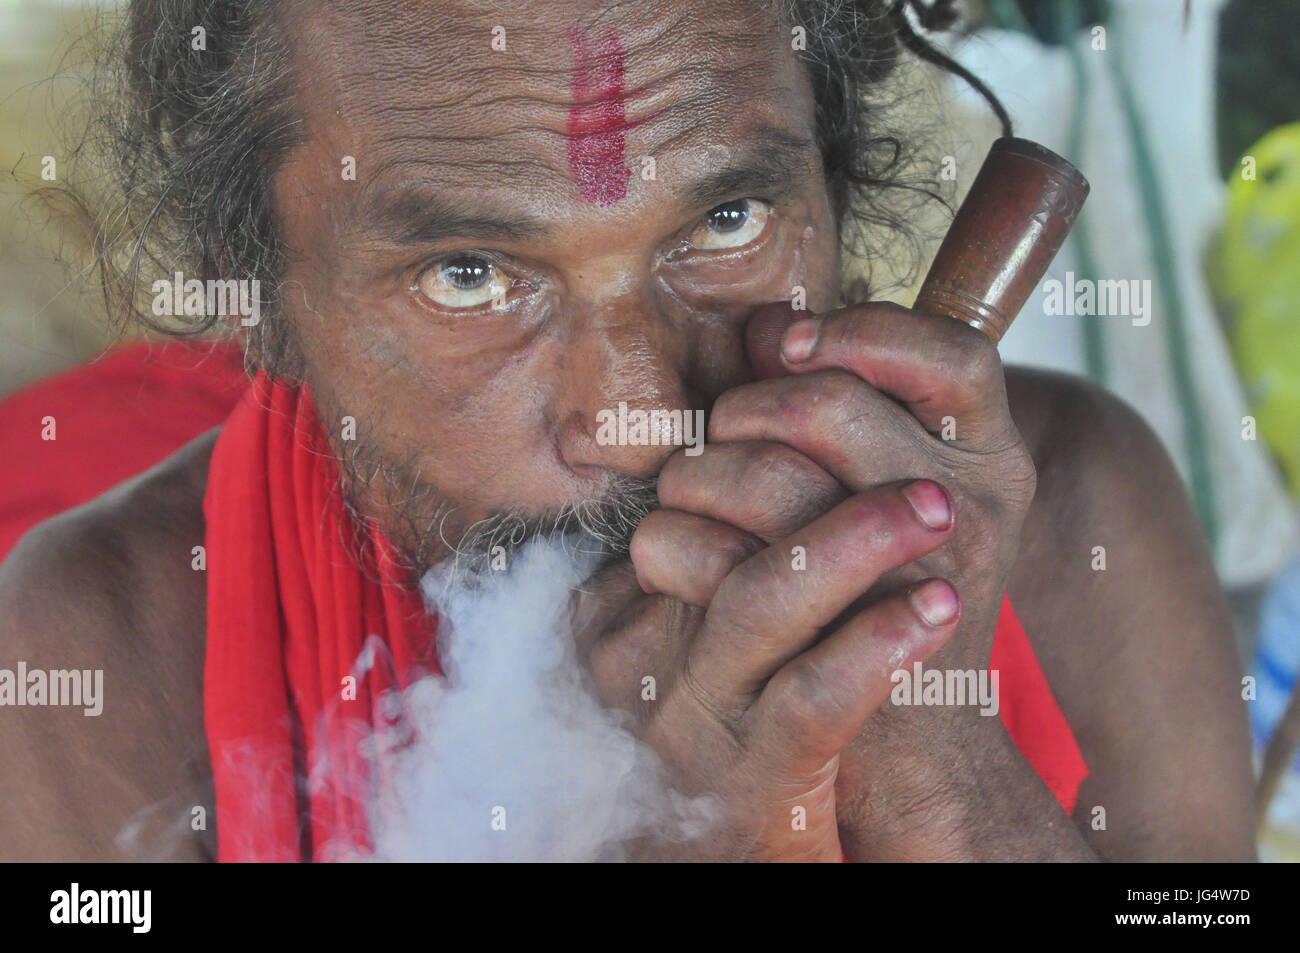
[
  {"x": 1261, "y": 230},
  {"x": 1255, "y": 272}
]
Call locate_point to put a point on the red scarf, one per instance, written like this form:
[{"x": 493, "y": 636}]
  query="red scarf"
[{"x": 289, "y": 613}]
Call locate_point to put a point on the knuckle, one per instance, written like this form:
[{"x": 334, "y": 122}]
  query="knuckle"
[
  {"x": 645, "y": 541},
  {"x": 799, "y": 484},
  {"x": 752, "y": 598},
  {"x": 841, "y": 329},
  {"x": 887, "y": 314},
  {"x": 1022, "y": 477},
  {"x": 768, "y": 463},
  {"x": 796, "y": 402},
  {"x": 729, "y": 551},
  {"x": 857, "y": 323},
  {"x": 804, "y": 701},
  {"x": 674, "y": 478},
  {"x": 607, "y": 662},
  {"x": 724, "y": 412},
  {"x": 841, "y": 390},
  {"x": 816, "y": 407},
  {"x": 1009, "y": 478},
  {"x": 974, "y": 363},
  {"x": 878, "y": 515},
  {"x": 704, "y": 701}
]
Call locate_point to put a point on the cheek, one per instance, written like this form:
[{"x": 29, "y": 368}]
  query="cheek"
[
  {"x": 472, "y": 419},
  {"x": 822, "y": 267},
  {"x": 382, "y": 351},
  {"x": 820, "y": 260}
]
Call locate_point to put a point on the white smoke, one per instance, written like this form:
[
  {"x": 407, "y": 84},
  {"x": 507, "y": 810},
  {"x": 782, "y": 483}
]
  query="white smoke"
[{"x": 515, "y": 758}]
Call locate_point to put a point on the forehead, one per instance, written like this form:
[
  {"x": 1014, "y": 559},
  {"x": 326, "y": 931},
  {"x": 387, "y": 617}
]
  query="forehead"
[{"x": 425, "y": 91}]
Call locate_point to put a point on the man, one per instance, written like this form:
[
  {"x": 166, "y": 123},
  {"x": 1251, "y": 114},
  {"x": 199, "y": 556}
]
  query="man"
[{"x": 484, "y": 230}]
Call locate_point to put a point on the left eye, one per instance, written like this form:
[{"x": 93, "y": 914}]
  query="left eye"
[
  {"x": 732, "y": 225},
  {"x": 463, "y": 281}
]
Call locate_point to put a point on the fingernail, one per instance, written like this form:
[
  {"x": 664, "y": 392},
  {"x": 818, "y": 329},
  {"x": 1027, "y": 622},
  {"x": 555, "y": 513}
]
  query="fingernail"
[
  {"x": 936, "y": 602},
  {"x": 930, "y": 503},
  {"x": 800, "y": 339}
]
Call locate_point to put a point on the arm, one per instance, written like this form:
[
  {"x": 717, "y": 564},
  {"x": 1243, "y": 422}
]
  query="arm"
[
  {"x": 943, "y": 782},
  {"x": 1141, "y": 657},
  {"x": 108, "y": 587}
]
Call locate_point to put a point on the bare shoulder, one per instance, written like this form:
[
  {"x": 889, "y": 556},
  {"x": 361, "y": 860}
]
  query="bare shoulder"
[
  {"x": 1082, "y": 437},
  {"x": 1119, "y": 596},
  {"x": 1109, "y": 507},
  {"x": 106, "y": 595}
]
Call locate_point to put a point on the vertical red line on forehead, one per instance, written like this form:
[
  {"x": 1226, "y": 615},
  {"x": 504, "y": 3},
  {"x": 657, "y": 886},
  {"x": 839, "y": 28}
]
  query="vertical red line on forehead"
[{"x": 596, "y": 122}]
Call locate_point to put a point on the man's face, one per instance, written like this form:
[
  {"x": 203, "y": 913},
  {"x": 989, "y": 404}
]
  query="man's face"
[{"x": 535, "y": 234}]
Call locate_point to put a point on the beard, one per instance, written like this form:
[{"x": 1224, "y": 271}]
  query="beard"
[
  {"x": 600, "y": 527},
  {"x": 382, "y": 489},
  {"x": 427, "y": 529}
]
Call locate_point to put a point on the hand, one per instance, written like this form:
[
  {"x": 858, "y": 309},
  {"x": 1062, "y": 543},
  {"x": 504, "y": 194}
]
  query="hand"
[
  {"x": 873, "y": 403},
  {"x": 751, "y": 705}
]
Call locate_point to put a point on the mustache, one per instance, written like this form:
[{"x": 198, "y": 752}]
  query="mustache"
[{"x": 600, "y": 526}]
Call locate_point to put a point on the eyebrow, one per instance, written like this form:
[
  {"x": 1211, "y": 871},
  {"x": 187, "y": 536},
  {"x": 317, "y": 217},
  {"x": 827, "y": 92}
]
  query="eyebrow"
[
  {"x": 413, "y": 216},
  {"x": 775, "y": 163}
]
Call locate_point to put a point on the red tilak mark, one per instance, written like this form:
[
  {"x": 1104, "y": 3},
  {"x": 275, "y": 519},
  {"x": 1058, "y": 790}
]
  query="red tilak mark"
[{"x": 596, "y": 123}]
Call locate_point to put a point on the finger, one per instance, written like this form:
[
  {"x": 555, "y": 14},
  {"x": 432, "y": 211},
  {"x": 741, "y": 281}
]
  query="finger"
[
  {"x": 769, "y": 489},
  {"x": 763, "y": 336},
  {"x": 843, "y": 424},
  {"x": 816, "y": 704},
  {"x": 771, "y": 607},
  {"x": 937, "y": 367},
  {"x": 687, "y": 556}
]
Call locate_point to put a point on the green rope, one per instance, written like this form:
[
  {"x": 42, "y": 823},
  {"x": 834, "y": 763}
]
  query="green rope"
[
  {"x": 1006, "y": 14},
  {"x": 1094, "y": 349},
  {"x": 1162, "y": 250}
]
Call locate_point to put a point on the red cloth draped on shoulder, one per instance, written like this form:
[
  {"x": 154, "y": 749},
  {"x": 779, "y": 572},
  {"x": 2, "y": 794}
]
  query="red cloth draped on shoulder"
[
  {"x": 1030, "y": 713},
  {"x": 289, "y": 613},
  {"x": 67, "y": 438}
]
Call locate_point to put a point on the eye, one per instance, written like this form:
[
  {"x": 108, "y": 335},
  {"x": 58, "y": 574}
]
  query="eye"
[
  {"x": 732, "y": 225},
  {"x": 463, "y": 281}
]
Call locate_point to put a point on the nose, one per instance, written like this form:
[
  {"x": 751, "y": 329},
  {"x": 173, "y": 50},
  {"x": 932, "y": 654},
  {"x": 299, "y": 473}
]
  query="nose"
[{"x": 627, "y": 400}]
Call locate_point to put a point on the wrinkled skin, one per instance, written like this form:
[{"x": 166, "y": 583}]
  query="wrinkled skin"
[
  {"x": 614, "y": 311},
  {"x": 496, "y": 409},
  {"x": 774, "y": 682},
  {"x": 822, "y": 443}
]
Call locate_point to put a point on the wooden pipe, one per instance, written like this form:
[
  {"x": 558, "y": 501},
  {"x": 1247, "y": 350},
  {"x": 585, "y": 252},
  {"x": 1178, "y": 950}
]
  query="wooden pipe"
[{"x": 1012, "y": 223}]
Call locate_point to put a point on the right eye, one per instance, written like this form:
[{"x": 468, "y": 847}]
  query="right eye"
[{"x": 463, "y": 281}]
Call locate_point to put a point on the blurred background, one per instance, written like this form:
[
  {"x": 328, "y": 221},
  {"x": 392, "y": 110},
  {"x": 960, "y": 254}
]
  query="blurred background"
[{"x": 1184, "y": 115}]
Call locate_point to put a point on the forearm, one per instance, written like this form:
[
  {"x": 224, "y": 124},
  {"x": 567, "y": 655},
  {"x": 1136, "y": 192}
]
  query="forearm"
[{"x": 971, "y": 800}]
